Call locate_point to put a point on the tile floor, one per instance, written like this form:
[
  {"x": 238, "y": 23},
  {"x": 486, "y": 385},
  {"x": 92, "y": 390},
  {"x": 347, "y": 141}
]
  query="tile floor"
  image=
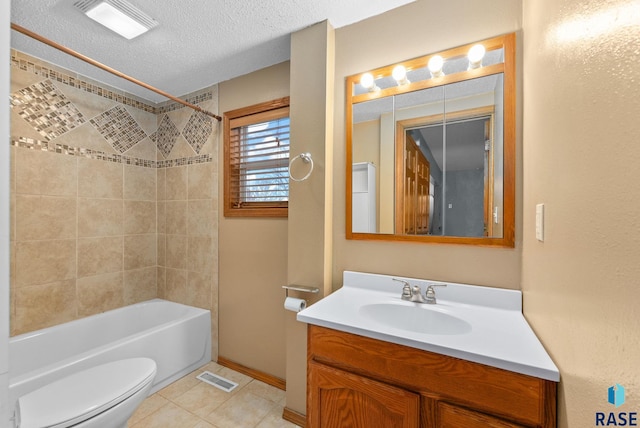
[{"x": 191, "y": 403}]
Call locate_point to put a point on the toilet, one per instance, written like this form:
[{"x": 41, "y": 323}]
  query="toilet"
[{"x": 103, "y": 396}]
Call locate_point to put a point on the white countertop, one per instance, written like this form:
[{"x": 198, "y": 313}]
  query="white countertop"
[{"x": 499, "y": 335}]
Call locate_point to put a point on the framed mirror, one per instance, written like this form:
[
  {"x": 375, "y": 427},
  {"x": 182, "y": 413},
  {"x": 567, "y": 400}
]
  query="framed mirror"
[{"x": 431, "y": 148}]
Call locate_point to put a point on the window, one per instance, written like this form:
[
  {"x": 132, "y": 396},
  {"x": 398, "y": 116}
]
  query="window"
[{"x": 256, "y": 160}]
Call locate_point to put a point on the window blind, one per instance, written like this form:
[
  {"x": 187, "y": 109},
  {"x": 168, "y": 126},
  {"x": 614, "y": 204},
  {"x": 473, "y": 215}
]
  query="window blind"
[{"x": 259, "y": 160}]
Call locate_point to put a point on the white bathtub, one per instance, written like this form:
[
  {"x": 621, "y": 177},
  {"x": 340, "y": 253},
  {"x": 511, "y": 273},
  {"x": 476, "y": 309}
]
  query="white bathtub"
[{"x": 175, "y": 336}]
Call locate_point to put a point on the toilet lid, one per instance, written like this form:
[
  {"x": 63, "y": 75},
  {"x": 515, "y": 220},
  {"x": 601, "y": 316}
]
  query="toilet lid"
[{"x": 82, "y": 395}]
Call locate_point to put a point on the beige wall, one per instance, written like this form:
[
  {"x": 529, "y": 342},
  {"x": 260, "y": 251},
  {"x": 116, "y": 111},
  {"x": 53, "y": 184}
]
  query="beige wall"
[
  {"x": 253, "y": 254},
  {"x": 581, "y": 152},
  {"x": 407, "y": 32}
]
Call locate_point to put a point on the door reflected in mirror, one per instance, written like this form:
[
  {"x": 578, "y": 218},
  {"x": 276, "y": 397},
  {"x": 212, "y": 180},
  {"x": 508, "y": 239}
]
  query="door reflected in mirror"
[{"x": 432, "y": 159}]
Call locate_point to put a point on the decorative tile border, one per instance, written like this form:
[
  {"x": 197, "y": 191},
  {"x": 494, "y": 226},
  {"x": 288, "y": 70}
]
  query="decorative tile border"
[{"x": 46, "y": 146}]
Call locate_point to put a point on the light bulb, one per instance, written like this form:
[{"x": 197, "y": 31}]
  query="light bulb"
[
  {"x": 367, "y": 81},
  {"x": 435, "y": 66},
  {"x": 399, "y": 73},
  {"x": 475, "y": 55}
]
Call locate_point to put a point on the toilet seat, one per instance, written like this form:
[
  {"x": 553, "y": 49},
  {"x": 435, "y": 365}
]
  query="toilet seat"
[{"x": 85, "y": 394}]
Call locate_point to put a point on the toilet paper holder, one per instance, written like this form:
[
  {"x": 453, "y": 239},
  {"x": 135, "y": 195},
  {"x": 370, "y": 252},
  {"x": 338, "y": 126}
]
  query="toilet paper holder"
[{"x": 302, "y": 288}]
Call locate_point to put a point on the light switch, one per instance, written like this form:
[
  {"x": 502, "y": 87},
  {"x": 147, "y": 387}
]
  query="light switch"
[{"x": 540, "y": 222}]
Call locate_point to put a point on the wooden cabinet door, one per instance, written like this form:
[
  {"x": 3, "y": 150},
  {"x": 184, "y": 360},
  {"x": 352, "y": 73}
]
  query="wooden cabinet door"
[
  {"x": 339, "y": 399},
  {"x": 450, "y": 416}
]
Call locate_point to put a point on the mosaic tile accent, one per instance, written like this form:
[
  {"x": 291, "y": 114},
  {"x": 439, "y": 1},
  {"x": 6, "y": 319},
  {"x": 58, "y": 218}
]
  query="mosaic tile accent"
[
  {"x": 166, "y": 135},
  {"x": 27, "y": 63},
  {"x": 45, "y": 108},
  {"x": 197, "y": 130},
  {"x": 119, "y": 128},
  {"x": 195, "y": 98},
  {"x": 63, "y": 149}
]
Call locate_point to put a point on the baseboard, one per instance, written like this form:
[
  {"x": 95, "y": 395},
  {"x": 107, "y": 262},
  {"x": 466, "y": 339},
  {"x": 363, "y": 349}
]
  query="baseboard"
[
  {"x": 256, "y": 374},
  {"x": 294, "y": 417}
]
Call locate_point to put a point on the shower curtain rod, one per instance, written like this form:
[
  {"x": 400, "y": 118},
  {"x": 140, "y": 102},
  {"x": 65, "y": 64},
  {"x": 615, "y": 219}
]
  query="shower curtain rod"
[{"x": 108, "y": 69}]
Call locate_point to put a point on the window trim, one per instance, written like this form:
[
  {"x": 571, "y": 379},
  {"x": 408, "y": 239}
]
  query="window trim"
[{"x": 254, "y": 209}]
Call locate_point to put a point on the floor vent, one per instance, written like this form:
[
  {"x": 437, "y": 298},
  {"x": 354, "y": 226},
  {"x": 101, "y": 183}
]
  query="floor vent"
[{"x": 217, "y": 381}]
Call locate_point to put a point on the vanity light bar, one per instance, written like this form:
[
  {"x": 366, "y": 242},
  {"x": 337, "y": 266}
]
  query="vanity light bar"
[{"x": 435, "y": 65}]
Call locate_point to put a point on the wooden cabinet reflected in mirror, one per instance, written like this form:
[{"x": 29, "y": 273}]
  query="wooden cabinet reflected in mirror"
[{"x": 442, "y": 148}]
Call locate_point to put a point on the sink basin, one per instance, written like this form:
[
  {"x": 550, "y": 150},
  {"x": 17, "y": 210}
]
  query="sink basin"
[{"x": 415, "y": 317}]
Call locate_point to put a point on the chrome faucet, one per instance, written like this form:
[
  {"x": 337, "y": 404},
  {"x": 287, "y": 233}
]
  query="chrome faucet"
[
  {"x": 413, "y": 294},
  {"x": 430, "y": 294}
]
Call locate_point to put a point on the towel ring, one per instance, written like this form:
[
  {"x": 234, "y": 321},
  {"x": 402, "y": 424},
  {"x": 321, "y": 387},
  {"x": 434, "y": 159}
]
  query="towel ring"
[{"x": 306, "y": 158}]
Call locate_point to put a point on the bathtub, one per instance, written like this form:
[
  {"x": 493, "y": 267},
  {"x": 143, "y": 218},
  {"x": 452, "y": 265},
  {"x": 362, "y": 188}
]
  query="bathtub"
[{"x": 175, "y": 336}]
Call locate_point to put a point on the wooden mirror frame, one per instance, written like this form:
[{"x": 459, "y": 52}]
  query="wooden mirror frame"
[{"x": 508, "y": 68}]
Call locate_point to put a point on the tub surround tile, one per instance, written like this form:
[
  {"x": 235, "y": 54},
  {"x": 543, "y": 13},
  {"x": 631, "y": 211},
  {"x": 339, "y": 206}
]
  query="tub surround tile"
[
  {"x": 161, "y": 282},
  {"x": 140, "y": 285},
  {"x": 181, "y": 149},
  {"x": 162, "y": 250},
  {"x": 42, "y": 306},
  {"x": 45, "y": 217},
  {"x": 176, "y": 217},
  {"x": 176, "y": 285},
  {"x": 139, "y": 183},
  {"x": 42, "y": 262},
  {"x": 198, "y": 290},
  {"x": 39, "y": 172},
  {"x": 161, "y": 184},
  {"x": 98, "y": 179},
  {"x": 100, "y": 293},
  {"x": 200, "y": 253},
  {"x": 176, "y": 183},
  {"x": 139, "y": 251},
  {"x": 176, "y": 251},
  {"x": 200, "y": 220},
  {"x": 166, "y": 135},
  {"x": 161, "y": 217},
  {"x": 197, "y": 130},
  {"x": 200, "y": 183},
  {"x": 144, "y": 149},
  {"x": 139, "y": 217},
  {"x": 100, "y": 217},
  {"x": 99, "y": 255},
  {"x": 119, "y": 128}
]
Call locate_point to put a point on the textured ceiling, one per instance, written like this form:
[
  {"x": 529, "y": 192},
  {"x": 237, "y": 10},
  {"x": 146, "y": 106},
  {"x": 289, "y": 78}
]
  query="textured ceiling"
[{"x": 198, "y": 42}]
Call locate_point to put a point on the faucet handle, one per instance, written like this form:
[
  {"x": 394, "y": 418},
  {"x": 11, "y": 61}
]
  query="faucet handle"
[
  {"x": 430, "y": 294},
  {"x": 406, "y": 289}
]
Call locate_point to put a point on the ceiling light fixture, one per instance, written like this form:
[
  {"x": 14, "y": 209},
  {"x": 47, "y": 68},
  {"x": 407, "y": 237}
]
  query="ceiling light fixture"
[{"x": 119, "y": 16}]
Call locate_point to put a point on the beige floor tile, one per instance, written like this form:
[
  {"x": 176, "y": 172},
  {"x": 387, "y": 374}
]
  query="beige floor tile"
[
  {"x": 148, "y": 406},
  {"x": 264, "y": 390},
  {"x": 179, "y": 387},
  {"x": 204, "y": 424},
  {"x": 169, "y": 416},
  {"x": 244, "y": 410},
  {"x": 274, "y": 420},
  {"x": 202, "y": 399}
]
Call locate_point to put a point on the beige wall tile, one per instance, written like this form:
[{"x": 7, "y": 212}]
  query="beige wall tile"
[
  {"x": 86, "y": 137},
  {"x": 139, "y": 251},
  {"x": 100, "y": 293},
  {"x": 161, "y": 281},
  {"x": 20, "y": 79},
  {"x": 140, "y": 285},
  {"x": 45, "y": 217},
  {"x": 139, "y": 217},
  {"x": 100, "y": 217},
  {"x": 44, "y": 305},
  {"x": 200, "y": 217},
  {"x": 99, "y": 179},
  {"x": 161, "y": 249},
  {"x": 200, "y": 254},
  {"x": 161, "y": 217},
  {"x": 200, "y": 180},
  {"x": 175, "y": 285},
  {"x": 45, "y": 173},
  {"x": 176, "y": 252},
  {"x": 90, "y": 105},
  {"x": 143, "y": 149},
  {"x": 181, "y": 149},
  {"x": 198, "y": 290},
  {"x": 43, "y": 262},
  {"x": 20, "y": 127},
  {"x": 176, "y": 183},
  {"x": 161, "y": 184},
  {"x": 99, "y": 255},
  {"x": 176, "y": 217},
  {"x": 139, "y": 183}
]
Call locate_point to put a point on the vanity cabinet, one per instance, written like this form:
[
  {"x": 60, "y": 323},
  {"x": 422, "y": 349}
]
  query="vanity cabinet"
[{"x": 355, "y": 381}]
